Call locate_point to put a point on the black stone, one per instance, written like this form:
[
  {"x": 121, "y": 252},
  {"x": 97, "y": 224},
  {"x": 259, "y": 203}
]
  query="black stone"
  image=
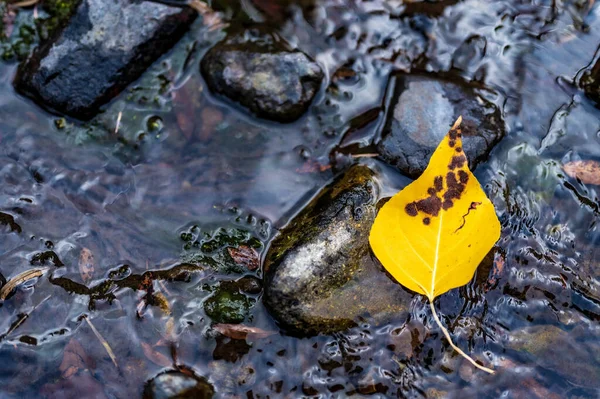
[
  {"x": 320, "y": 275},
  {"x": 105, "y": 46},
  {"x": 421, "y": 112},
  {"x": 263, "y": 74},
  {"x": 178, "y": 385},
  {"x": 590, "y": 82}
]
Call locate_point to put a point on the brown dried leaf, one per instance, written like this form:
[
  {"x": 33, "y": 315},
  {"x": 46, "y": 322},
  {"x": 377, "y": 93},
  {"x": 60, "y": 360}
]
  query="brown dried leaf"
[
  {"x": 155, "y": 357},
  {"x": 86, "y": 265},
  {"x": 19, "y": 279},
  {"x": 163, "y": 303},
  {"x": 75, "y": 359},
  {"x": 211, "y": 117},
  {"x": 240, "y": 331},
  {"x": 245, "y": 256},
  {"x": 586, "y": 171}
]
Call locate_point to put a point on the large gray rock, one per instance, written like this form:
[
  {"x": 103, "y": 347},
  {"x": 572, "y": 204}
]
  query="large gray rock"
[
  {"x": 178, "y": 385},
  {"x": 421, "y": 112},
  {"x": 264, "y": 75},
  {"x": 106, "y": 45},
  {"x": 320, "y": 275}
]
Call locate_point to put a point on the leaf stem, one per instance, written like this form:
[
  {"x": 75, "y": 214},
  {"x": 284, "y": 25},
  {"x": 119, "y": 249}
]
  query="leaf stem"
[{"x": 456, "y": 348}]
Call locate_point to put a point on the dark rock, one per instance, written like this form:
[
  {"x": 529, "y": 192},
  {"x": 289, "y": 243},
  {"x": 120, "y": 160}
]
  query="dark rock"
[
  {"x": 9, "y": 221},
  {"x": 590, "y": 82},
  {"x": 178, "y": 385},
  {"x": 320, "y": 274},
  {"x": 264, "y": 75},
  {"x": 422, "y": 111},
  {"x": 106, "y": 45}
]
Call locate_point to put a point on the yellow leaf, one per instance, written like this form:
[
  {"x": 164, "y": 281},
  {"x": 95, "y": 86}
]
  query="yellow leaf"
[{"x": 433, "y": 234}]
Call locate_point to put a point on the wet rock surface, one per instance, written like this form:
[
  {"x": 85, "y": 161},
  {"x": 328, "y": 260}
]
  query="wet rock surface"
[
  {"x": 590, "y": 82},
  {"x": 320, "y": 273},
  {"x": 178, "y": 385},
  {"x": 263, "y": 74},
  {"x": 105, "y": 46},
  {"x": 540, "y": 343},
  {"x": 422, "y": 110}
]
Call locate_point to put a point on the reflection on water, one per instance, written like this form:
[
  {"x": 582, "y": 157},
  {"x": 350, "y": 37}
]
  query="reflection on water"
[{"x": 131, "y": 193}]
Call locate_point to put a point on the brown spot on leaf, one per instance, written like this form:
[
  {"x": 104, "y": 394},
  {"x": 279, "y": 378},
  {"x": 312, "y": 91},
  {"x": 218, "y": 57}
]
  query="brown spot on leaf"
[
  {"x": 455, "y": 188},
  {"x": 453, "y": 134},
  {"x": 411, "y": 209},
  {"x": 426, "y": 221},
  {"x": 430, "y": 205},
  {"x": 447, "y": 204},
  {"x": 463, "y": 176},
  {"x": 431, "y": 191},
  {"x": 451, "y": 143},
  {"x": 438, "y": 183},
  {"x": 457, "y": 162},
  {"x": 458, "y": 149}
]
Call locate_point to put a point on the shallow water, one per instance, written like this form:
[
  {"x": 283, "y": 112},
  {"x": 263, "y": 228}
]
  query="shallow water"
[{"x": 181, "y": 157}]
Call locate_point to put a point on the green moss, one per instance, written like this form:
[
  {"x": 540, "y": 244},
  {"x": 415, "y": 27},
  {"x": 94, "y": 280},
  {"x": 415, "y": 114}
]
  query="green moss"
[
  {"x": 27, "y": 30},
  {"x": 227, "y": 306},
  {"x": 210, "y": 247}
]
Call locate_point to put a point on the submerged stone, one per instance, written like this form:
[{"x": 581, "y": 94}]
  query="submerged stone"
[
  {"x": 548, "y": 346},
  {"x": 320, "y": 275},
  {"x": 178, "y": 385},
  {"x": 423, "y": 109},
  {"x": 264, "y": 75},
  {"x": 590, "y": 82},
  {"x": 105, "y": 46}
]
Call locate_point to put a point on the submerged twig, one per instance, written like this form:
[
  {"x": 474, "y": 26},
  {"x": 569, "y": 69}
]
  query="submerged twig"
[
  {"x": 118, "y": 124},
  {"x": 24, "y": 317},
  {"x": 18, "y": 280},
  {"x": 103, "y": 342},
  {"x": 456, "y": 348},
  {"x": 24, "y": 3},
  {"x": 366, "y": 155}
]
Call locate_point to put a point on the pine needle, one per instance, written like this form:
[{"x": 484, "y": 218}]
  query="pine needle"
[{"x": 103, "y": 342}]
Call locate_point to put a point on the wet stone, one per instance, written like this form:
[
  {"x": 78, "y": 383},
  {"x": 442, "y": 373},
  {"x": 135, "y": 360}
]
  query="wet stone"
[
  {"x": 178, "y": 385},
  {"x": 319, "y": 271},
  {"x": 540, "y": 344},
  {"x": 263, "y": 74},
  {"x": 590, "y": 82},
  {"x": 105, "y": 46},
  {"x": 421, "y": 112}
]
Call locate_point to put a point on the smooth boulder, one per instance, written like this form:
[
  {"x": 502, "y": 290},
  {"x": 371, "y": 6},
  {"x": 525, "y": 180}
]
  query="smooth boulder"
[
  {"x": 263, "y": 74},
  {"x": 320, "y": 275},
  {"x": 106, "y": 45},
  {"x": 422, "y": 110}
]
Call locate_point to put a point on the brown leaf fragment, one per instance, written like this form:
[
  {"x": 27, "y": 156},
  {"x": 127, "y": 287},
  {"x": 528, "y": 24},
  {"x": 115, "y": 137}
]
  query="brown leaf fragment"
[
  {"x": 240, "y": 331},
  {"x": 499, "y": 261},
  {"x": 155, "y": 356},
  {"x": 163, "y": 303},
  {"x": 312, "y": 166},
  {"x": 75, "y": 359},
  {"x": 86, "y": 265},
  {"x": 586, "y": 171},
  {"x": 18, "y": 280},
  {"x": 245, "y": 256}
]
